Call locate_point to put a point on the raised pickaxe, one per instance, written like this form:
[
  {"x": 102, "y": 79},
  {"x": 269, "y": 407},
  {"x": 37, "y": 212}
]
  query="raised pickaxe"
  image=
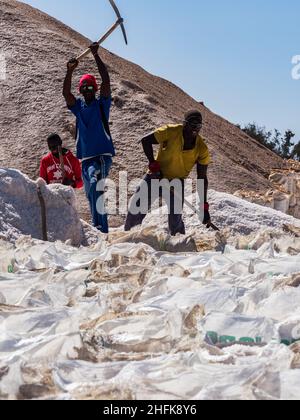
[{"x": 119, "y": 22}]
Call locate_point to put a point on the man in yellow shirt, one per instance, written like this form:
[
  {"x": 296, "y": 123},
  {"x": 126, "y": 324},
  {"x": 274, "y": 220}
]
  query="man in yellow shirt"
[{"x": 181, "y": 148}]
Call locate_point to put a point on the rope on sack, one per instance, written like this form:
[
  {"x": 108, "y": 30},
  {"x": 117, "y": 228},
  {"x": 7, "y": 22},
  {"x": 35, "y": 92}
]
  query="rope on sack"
[{"x": 43, "y": 214}]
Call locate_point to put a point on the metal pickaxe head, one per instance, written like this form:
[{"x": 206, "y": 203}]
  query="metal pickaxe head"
[
  {"x": 120, "y": 19},
  {"x": 120, "y": 22}
]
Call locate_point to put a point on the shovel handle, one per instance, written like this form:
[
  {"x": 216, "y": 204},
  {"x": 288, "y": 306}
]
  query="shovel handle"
[{"x": 105, "y": 36}]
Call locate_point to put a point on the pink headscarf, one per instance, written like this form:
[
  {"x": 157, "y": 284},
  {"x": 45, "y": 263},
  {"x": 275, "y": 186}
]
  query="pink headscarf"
[{"x": 91, "y": 81}]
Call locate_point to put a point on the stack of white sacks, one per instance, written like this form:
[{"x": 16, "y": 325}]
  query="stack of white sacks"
[
  {"x": 287, "y": 198},
  {"x": 284, "y": 196}
]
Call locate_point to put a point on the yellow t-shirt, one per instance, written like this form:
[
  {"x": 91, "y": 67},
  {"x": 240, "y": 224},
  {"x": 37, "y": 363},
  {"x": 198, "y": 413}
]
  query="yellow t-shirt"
[{"x": 174, "y": 161}]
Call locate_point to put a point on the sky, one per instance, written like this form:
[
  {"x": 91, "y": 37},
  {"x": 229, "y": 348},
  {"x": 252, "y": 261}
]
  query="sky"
[{"x": 234, "y": 55}]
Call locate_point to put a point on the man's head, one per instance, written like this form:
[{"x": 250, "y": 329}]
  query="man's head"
[
  {"x": 193, "y": 122},
  {"x": 88, "y": 87},
  {"x": 53, "y": 142}
]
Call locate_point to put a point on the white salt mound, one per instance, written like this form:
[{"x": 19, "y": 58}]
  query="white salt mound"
[
  {"x": 20, "y": 213},
  {"x": 20, "y": 210},
  {"x": 230, "y": 212}
]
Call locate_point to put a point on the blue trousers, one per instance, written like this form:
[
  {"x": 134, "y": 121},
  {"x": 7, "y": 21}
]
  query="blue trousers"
[{"x": 93, "y": 171}]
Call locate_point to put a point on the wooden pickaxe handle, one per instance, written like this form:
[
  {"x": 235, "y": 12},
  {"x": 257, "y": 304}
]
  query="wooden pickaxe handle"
[
  {"x": 193, "y": 208},
  {"x": 214, "y": 227},
  {"x": 101, "y": 40}
]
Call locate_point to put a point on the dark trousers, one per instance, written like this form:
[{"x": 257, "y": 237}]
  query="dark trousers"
[
  {"x": 174, "y": 203},
  {"x": 93, "y": 171}
]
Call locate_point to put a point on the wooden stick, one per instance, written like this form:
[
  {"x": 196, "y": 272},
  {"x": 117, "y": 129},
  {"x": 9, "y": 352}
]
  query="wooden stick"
[{"x": 43, "y": 214}]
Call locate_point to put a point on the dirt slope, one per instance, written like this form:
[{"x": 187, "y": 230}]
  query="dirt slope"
[{"x": 37, "y": 48}]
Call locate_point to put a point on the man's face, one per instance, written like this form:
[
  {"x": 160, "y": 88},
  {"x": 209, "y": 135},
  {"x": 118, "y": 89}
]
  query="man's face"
[
  {"x": 88, "y": 92},
  {"x": 193, "y": 126},
  {"x": 53, "y": 146}
]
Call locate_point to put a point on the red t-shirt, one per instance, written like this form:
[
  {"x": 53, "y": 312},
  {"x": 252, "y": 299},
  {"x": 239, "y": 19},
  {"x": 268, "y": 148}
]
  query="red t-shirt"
[{"x": 51, "y": 172}]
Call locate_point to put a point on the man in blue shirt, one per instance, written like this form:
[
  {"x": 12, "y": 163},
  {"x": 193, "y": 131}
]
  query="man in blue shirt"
[{"x": 94, "y": 143}]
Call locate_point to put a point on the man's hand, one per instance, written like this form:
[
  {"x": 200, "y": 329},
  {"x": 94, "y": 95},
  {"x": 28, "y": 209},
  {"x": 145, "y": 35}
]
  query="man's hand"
[
  {"x": 69, "y": 182},
  {"x": 72, "y": 64},
  {"x": 154, "y": 167},
  {"x": 94, "y": 48},
  {"x": 206, "y": 219}
]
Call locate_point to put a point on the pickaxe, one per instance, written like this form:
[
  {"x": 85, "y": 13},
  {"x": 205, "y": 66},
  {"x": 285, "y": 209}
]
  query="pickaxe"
[
  {"x": 193, "y": 208},
  {"x": 188, "y": 204},
  {"x": 119, "y": 22}
]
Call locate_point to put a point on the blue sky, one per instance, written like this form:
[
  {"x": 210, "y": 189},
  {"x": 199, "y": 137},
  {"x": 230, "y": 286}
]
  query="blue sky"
[{"x": 234, "y": 55}]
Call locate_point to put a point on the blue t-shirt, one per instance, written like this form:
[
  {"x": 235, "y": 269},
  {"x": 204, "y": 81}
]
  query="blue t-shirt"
[{"x": 92, "y": 138}]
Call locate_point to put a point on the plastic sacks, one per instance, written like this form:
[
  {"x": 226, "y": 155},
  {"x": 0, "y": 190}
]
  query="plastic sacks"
[{"x": 124, "y": 320}]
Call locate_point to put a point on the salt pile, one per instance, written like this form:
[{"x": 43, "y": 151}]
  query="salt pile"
[
  {"x": 234, "y": 213},
  {"x": 20, "y": 210}
]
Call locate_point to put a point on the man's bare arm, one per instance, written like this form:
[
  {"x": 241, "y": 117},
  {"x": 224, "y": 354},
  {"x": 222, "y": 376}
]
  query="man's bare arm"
[
  {"x": 148, "y": 142},
  {"x": 68, "y": 95},
  {"x": 202, "y": 174},
  {"x": 105, "y": 90}
]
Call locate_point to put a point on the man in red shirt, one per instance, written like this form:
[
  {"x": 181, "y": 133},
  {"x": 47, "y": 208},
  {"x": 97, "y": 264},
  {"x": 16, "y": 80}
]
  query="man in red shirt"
[{"x": 50, "y": 169}]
